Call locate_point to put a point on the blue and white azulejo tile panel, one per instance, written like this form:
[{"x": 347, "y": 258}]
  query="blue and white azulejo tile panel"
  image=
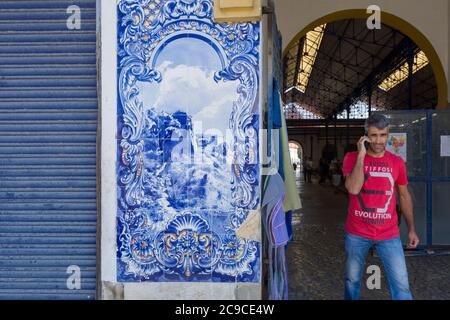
[{"x": 188, "y": 127}]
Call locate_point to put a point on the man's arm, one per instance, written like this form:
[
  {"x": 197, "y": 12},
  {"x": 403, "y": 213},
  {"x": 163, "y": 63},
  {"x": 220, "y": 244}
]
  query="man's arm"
[
  {"x": 355, "y": 180},
  {"x": 406, "y": 207}
]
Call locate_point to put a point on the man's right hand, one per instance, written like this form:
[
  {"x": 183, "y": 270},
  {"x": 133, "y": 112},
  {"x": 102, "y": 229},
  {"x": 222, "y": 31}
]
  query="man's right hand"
[
  {"x": 361, "y": 147},
  {"x": 355, "y": 180}
]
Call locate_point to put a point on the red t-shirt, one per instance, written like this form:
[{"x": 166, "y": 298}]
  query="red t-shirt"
[{"x": 372, "y": 213}]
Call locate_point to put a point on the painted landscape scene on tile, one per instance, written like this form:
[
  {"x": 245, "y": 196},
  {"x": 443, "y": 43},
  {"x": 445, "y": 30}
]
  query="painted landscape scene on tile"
[{"x": 188, "y": 127}]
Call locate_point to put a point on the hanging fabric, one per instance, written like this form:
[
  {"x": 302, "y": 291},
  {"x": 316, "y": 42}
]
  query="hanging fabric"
[
  {"x": 289, "y": 225},
  {"x": 292, "y": 200},
  {"x": 274, "y": 222}
]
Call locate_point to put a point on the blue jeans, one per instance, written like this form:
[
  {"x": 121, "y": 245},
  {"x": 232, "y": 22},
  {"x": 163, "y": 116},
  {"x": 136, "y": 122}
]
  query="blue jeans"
[{"x": 392, "y": 256}]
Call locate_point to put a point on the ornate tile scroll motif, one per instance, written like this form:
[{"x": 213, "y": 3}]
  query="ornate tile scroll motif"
[{"x": 177, "y": 218}]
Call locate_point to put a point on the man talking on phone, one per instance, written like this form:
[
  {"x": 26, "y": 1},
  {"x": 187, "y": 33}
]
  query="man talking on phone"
[{"x": 373, "y": 175}]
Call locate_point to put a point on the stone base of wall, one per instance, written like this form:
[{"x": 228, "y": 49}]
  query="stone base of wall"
[{"x": 180, "y": 291}]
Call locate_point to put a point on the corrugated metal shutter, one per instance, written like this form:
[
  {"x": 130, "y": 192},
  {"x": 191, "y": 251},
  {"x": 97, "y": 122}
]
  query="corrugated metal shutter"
[{"x": 48, "y": 123}]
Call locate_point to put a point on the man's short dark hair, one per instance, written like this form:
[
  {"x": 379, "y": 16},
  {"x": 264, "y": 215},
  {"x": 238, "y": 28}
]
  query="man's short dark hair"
[{"x": 377, "y": 120}]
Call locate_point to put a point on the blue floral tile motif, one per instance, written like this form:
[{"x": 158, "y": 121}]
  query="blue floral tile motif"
[
  {"x": 184, "y": 188},
  {"x": 187, "y": 246}
]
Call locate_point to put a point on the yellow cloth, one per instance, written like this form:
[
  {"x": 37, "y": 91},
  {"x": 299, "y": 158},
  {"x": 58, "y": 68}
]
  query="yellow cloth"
[{"x": 292, "y": 199}]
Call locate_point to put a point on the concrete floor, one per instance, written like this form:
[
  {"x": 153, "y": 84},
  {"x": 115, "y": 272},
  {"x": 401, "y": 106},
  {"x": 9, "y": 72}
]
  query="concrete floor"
[{"x": 316, "y": 257}]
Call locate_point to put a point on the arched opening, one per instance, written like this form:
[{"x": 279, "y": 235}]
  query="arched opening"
[
  {"x": 394, "y": 22},
  {"x": 355, "y": 72},
  {"x": 296, "y": 153}
]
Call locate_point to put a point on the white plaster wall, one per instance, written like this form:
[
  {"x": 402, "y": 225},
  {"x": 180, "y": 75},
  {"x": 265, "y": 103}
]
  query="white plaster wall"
[
  {"x": 108, "y": 286},
  {"x": 430, "y": 17},
  {"x": 107, "y": 71}
]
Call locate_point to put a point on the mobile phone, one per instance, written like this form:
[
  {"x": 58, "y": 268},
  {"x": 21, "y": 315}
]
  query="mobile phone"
[{"x": 366, "y": 143}]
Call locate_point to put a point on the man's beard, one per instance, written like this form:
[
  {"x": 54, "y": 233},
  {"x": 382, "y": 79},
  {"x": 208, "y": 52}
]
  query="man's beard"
[{"x": 378, "y": 149}]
